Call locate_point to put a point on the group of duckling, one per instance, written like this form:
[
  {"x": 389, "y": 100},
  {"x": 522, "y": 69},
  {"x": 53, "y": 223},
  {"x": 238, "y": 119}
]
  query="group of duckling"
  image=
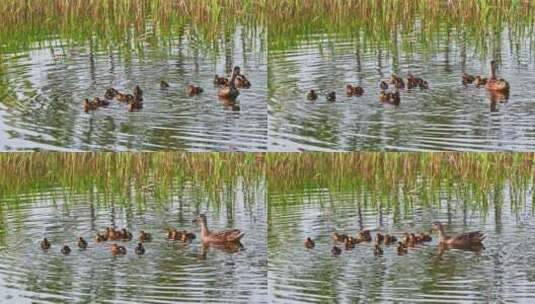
[
  {"x": 111, "y": 234},
  {"x": 227, "y": 89},
  {"x": 493, "y": 84},
  {"x": 385, "y": 96},
  {"x": 409, "y": 240}
]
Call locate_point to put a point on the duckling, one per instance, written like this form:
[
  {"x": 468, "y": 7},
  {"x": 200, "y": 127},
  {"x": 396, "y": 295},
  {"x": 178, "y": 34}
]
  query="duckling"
[
  {"x": 126, "y": 235},
  {"x": 110, "y": 93},
  {"x": 144, "y": 236},
  {"x": 354, "y": 90},
  {"x": 467, "y": 79},
  {"x": 112, "y": 234},
  {"x": 164, "y": 84},
  {"x": 364, "y": 236},
  {"x": 379, "y": 237},
  {"x": 100, "y": 102},
  {"x": 65, "y": 249},
  {"x": 349, "y": 243},
  {"x": 192, "y": 90},
  {"x": 331, "y": 96},
  {"x": 424, "y": 237},
  {"x": 45, "y": 244},
  {"x": 395, "y": 98},
  {"x": 383, "y": 85},
  {"x": 138, "y": 93},
  {"x": 82, "y": 244},
  {"x": 412, "y": 82},
  {"x": 397, "y": 81},
  {"x": 312, "y": 95},
  {"x": 384, "y": 96},
  {"x": 401, "y": 249},
  {"x": 100, "y": 238},
  {"x": 188, "y": 236},
  {"x": 410, "y": 240},
  {"x": 117, "y": 250},
  {"x": 242, "y": 82},
  {"x": 134, "y": 105},
  {"x": 220, "y": 80},
  {"x": 336, "y": 250},
  {"x": 339, "y": 237},
  {"x": 389, "y": 239},
  {"x": 140, "y": 249},
  {"x": 309, "y": 243},
  {"x": 479, "y": 81},
  {"x": 424, "y": 85},
  {"x": 88, "y": 105},
  {"x": 124, "y": 97},
  {"x": 377, "y": 250},
  {"x": 172, "y": 234}
]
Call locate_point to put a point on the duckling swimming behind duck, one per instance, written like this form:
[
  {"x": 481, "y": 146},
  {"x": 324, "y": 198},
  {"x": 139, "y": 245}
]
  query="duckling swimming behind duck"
[
  {"x": 126, "y": 235},
  {"x": 82, "y": 244},
  {"x": 144, "y": 236},
  {"x": 117, "y": 250},
  {"x": 354, "y": 90},
  {"x": 331, "y": 96},
  {"x": 89, "y": 105},
  {"x": 140, "y": 249},
  {"x": 192, "y": 90},
  {"x": 364, "y": 236},
  {"x": 65, "y": 249},
  {"x": 389, "y": 239},
  {"x": 100, "y": 238},
  {"x": 309, "y": 243},
  {"x": 336, "y": 250},
  {"x": 220, "y": 80},
  {"x": 479, "y": 81},
  {"x": 377, "y": 250},
  {"x": 312, "y": 95},
  {"x": 379, "y": 237},
  {"x": 401, "y": 249},
  {"x": 123, "y": 97},
  {"x": 339, "y": 237},
  {"x": 45, "y": 244},
  {"x": 187, "y": 236},
  {"x": 350, "y": 243},
  {"x": 110, "y": 93},
  {"x": 468, "y": 79},
  {"x": 164, "y": 84}
]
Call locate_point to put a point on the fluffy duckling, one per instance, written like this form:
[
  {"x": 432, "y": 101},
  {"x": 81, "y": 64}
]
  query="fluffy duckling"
[
  {"x": 309, "y": 243},
  {"x": 45, "y": 244},
  {"x": 82, "y": 244},
  {"x": 172, "y": 234},
  {"x": 220, "y": 80},
  {"x": 65, "y": 249},
  {"x": 336, "y": 250},
  {"x": 364, "y": 236},
  {"x": 354, "y": 90},
  {"x": 113, "y": 234},
  {"x": 101, "y": 102},
  {"x": 389, "y": 239},
  {"x": 479, "y": 81},
  {"x": 391, "y": 98},
  {"x": 468, "y": 79},
  {"x": 331, "y": 96},
  {"x": 379, "y": 237},
  {"x": 122, "y": 97},
  {"x": 410, "y": 240},
  {"x": 164, "y": 84},
  {"x": 192, "y": 90},
  {"x": 110, "y": 93},
  {"x": 377, "y": 250},
  {"x": 401, "y": 249},
  {"x": 144, "y": 236},
  {"x": 312, "y": 95},
  {"x": 383, "y": 85},
  {"x": 88, "y": 105},
  {"x": 397, "y": 81},
  {"x": 412, "y": 82},
  {"x": 140, "y": 249},
  {"x": 425, "y": 237},
  {"x": 100, "y": 238},
  {"x": 126, "y": 235},
  {"x": 350, "y": 243},
  {"x": 339, "y": 237},
  {"x": 187, "y": 236},
  {"x": 117, "y": 250}
]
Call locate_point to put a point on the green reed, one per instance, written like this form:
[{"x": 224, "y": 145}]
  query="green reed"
[{"x": 130, "y": 176}]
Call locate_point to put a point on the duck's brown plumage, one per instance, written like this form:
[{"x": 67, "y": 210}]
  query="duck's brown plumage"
[
  {"x": 222, "y": 236},
  {"x": 462, "y": 239}
]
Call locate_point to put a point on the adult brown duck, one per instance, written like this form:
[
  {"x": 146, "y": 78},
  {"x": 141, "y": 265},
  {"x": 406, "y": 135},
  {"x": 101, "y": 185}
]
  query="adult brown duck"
[
  {"x": 217, "y": 237},
  {"x": 229, "y": 90},
  {"x": 460, "y": 240},
  {"x": 495, "y": 84}
]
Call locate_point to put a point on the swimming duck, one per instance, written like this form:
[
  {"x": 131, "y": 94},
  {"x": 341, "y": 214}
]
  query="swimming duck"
[
  {"x": 424, "y": 85},
  {"x": 494, "y": 84},
  {"x": 479, "y": 81},
  {"x": 331, "y": 96},
  {"x": 117, "y": 250},
  {"x": 391, "y": 98},
  {"x": 463, "y": 239},
  {"x": 229, "y": 90},
  {"x": 401, "y": 249},
  {"x": 113, "y": 234},
  {"x": 110, "y": 93},
  {"x": 140, "y": 249},
  {"x": 364, "y": 236},
  {"x": 377, "y": 250},
  {"x": 65, "y": 249},
  {"x": 389, "y": 239},
  {"x": 467, "y": 79},
  {"x": 379, "y": 237},
  {"x": 220, "y": 80},
  {"x": 354, "y": 90},
  {"x": 312, "y": 95},
  {"x": 423, "y": 237},
  {"x": 144, "y": 236},
  {"x": 339, "y": 237},
  {"x": 409, "y": 240},
  {"x": 412, "y": 82},
  {"x": 350, "y": 243},
  {"x": 336, "y": 250},
  {"x": 134, "y": 105},
  {"x": 45, "y": 244},
  {"x": 172, "y": 234},
  {"x": 397, "y": 81},
  {"x": 192, "y": 90},
  {"x": 88, "y": 105},
  {"x": 309, "y": 243},
  {"x": 126, "y": 235},
  {"x": 138, "y": 93},
  {"x": 122, "y": 97},
  {"x": 164, "y": 84},
  {"x": 383, "y": 85},
  {"x": 217, "y": 237},
  {"x": 100, "y": 238},
  {"x": 187, "y": 236},
  {"x": 242, "y": 82},
  {"x": 82, "y": 244},
  {"x": 99, "y": 102}
]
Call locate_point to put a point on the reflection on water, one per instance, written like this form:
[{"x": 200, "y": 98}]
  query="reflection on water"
[
  {"x": 41, "y": 93},
  {"x": 447, "y": 116},
  {"x": 501, "y": 272},
  {"x": 168, "y": 272}
]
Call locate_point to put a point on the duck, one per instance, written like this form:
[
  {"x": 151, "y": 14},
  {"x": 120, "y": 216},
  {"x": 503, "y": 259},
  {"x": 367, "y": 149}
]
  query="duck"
[
  {"x": 391, "y": 98},
  {"x": 134, "y": 105},
  {"x": 220, "y": 80},
  {"x": 242, "y": 82},
  {"x": 123, "y": 97},
  {"x": 100, "y": 238},
  {"x": 354, "y": 90},
  {"x": 99, "y": 102},
  {"x": 462, "y": 239},
  {"x": 412, "y": 82},
  {"x": 217, "y": 237},
  {"x": 494, "y": 84},
  {"x": 312, "y": 95},
  {"x": 164, "y": 84},
  {"x": 397, "y": 81},
  {"x": 193, "y": 90},
  {"x": 336, "y": 250},
  {"x": 377, "y": 250},
  {"x": 65, "y": 249},
  {"x": 379, "y": 237},
  {"x": 383, "y": 85},
  {"x": 110, "y": 93},
  {"x": 125, "y": 234},
  {"x": 82, "y": 244},
  {"x": 331, "y": 96},
  {"x": 144, "y": 236},
  {"x": 423, "y": 237},
  {"x": 468, "y": 79},
  {"x": 479, "y": 81},
  {"x": 187, "y": 236},
  {"x": 88, "y": 105},
  {"x": 339, "y": 237},
  {"x": 409, "y": 240},
  {"x": 117, "y": 250},
  {"x": 229, "y": 90},
  {"x": 172, "y": 234},
  {"x": 423, "y": 84},
  {"x": 389, "y": 239},
  {"x": 364, "y": 236},
  {"x": 138, "y": 93},
  {"x": 112, "y": 234},
  {"x": 45, "y": 244},
  {"x": 139, "y": 249},
  {"x": 309, "y": 243},
  {"x": 349, "y": 243},
  {"x": 401, "y": 249}
]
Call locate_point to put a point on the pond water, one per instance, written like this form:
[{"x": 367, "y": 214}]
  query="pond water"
[
  {"x": 503, "y": 272},
  {"x": 447, "y": 116},
  {"x": 42, "y": 89},
  {"x": 168, "y": 272}
]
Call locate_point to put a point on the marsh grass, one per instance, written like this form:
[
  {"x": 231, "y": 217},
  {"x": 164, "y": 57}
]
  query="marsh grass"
[
  {"x": 395, "y": 179},
  {"x": 129, "y": 176}
]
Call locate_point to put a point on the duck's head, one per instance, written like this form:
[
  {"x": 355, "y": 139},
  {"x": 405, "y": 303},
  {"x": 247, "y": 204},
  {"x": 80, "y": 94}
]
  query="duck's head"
[
  {"x": 437, "y": 225},
  {"x": 201, "y": 218}
]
